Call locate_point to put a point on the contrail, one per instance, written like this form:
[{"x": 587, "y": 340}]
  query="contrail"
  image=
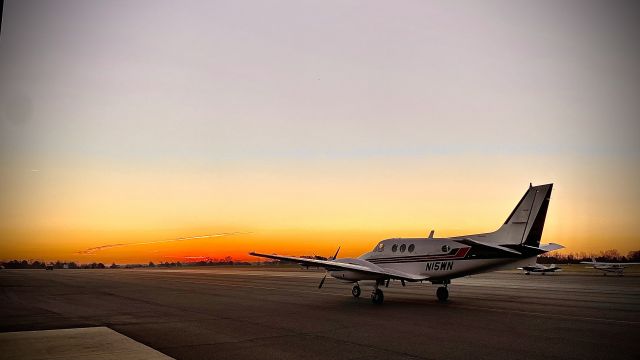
[{"x": 93, "y": 250}]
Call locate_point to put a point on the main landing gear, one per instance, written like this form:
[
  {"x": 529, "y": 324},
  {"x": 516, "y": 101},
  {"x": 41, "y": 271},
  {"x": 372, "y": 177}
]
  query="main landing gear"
[
  {"x": 355, "y": 291},
  {"x": 443, "y": 293},
  {"x": 377, "y": 296}
]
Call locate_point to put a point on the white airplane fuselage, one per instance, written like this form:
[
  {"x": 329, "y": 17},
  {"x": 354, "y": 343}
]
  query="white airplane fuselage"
[{"x": 435, "y": 258}]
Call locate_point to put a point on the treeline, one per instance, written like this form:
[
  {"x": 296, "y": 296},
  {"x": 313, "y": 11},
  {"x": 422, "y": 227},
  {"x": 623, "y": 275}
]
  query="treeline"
[
  {"x": 211, "y": 262},
  {"x": 36, "y": 264},
  {"x": 612, "y": 255}
]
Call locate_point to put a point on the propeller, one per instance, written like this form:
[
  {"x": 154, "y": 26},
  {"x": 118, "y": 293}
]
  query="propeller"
[
  {"x": 326, "y": 272},
  {"x": 322, "y": 281},
  {"x": 336, "y": 254}
]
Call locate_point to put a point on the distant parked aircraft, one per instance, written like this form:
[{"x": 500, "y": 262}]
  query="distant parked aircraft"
[
  {"x": 606, "y": 267},
  {"x": 516, "y": 242},
  {"x": 539, "y": 268}
]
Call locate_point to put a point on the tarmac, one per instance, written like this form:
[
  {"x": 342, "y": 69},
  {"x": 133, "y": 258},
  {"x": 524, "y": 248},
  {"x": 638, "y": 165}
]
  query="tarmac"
[
  {"x": 85, "y": 343},
  {"x": 279, "y": 313}
]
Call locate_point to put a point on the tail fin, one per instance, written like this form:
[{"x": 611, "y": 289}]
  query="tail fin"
[{"x": 525, "y": 223}]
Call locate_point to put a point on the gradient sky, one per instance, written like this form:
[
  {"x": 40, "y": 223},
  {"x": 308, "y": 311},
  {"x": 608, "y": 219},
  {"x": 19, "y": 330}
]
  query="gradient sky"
[{"x": 311, "y": 124}]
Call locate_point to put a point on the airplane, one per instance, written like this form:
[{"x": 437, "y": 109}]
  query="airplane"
[
  {"x": 539, "y": 268},
  {"x": 439, "y": 260},
  {"x": 605, "y": 267}
]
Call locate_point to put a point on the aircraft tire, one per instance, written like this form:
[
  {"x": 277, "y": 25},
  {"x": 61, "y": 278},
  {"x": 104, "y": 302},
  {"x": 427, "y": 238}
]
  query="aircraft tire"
[
  {"x": 442, "y": 293},
  {"x": 355, "y": 291},
  {"x": 377, "y": 297}
]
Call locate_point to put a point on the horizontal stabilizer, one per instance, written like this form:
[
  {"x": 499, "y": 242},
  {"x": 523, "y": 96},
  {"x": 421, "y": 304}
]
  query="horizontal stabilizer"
[
  {"x": 468, "y": 241},
  {"x": 547, "y": 247}
]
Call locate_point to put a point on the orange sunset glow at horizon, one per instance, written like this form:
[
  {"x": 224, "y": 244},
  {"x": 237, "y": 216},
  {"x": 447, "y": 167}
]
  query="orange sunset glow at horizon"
[{"x": 287, "y": 218}]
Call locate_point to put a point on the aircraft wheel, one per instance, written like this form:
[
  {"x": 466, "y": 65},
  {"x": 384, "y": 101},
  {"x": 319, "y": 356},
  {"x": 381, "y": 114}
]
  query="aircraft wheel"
[
  {"x": 377, "y": 297},
  {"x": 526, "y": 273},
  {"x": 355, "y": 291},
  {"x": 442, "y": 293}
]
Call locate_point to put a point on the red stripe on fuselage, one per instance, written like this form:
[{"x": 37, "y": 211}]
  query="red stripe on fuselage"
[{"x": 460, "y": 253}]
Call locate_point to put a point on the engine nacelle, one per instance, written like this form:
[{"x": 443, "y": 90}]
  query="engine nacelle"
[{"x": 351, "y": 276}]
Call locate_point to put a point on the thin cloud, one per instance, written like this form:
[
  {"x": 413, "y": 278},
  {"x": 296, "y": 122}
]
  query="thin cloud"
[{"x": 93, "y": 250}]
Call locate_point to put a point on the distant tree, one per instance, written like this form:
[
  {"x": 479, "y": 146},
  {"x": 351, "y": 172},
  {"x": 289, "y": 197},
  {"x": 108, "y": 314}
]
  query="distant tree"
[
  {"x": 633, "y": 256},
  {"x": 113, "y": 266},
  {"x": 151, "y": 264},
  {"x": 610, "y": 255}
]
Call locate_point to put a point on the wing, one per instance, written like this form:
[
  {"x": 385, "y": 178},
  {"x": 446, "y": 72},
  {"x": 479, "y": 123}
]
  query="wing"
[{"x": 363, "y": 267}]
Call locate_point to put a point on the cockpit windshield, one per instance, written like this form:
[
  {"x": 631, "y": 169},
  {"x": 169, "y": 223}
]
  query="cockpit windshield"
[{"x": 379, "y": 247}]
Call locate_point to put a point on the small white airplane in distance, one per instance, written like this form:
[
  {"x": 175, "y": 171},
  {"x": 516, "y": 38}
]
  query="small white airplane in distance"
[
  {"x": 539, "y": 268},
  {"x": 439, "y": 260},
  {"x": 606, "y": 267}
]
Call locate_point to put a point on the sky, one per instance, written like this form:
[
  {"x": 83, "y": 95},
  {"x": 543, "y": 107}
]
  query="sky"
[{"x": 299, "y": 126}]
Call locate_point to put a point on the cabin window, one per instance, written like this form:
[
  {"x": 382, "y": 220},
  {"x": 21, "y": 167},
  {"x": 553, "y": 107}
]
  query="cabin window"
[
  {"x": 394, "y": 248},
  {"x": 411, "y": 247},
  {"x": 403, "y": 247},
  {"x": 446, "y": 248}
]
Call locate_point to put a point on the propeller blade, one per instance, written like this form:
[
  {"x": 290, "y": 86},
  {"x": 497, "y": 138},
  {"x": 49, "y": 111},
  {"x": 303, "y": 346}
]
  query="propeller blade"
[
  {"x": 336, "y": 254},
  {"x": 322, "y": 281}
]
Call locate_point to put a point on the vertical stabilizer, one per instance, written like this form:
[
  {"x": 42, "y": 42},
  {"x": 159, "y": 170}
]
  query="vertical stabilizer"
[{"x": 525, "y": 223}]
